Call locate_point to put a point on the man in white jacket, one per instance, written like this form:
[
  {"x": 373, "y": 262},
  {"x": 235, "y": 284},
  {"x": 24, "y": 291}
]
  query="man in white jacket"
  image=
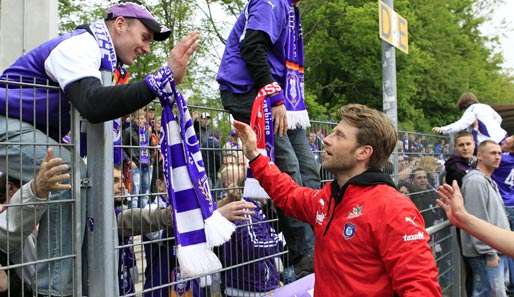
[{"x": 483, "y": 121}]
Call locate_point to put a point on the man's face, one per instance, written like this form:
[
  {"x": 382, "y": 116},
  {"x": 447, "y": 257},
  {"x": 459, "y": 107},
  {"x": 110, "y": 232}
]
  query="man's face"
[
  {"x": 341, "y": 148},
  {"x": 204, "y": 122},
  {"x": 312, "y": 137},
  {"x": 490, "y": 156},
  {"x": 131, "y": 39},
  {"x": 141, "y": 120},
  {"x": 464, "y": 147},
  {"x": 420, "y": 179},
  {"x": 157, "y": 125},
  {"x": 150, "y": 115},
  {"x": 508, "y": 144},
  {"x": 119, "y": 187}
]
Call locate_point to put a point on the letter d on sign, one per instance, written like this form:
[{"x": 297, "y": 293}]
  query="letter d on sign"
[{"x": 384, "y": 15}]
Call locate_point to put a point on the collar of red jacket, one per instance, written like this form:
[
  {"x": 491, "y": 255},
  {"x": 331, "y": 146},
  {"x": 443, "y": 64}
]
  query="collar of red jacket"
[{"x": 367, "y": 178}]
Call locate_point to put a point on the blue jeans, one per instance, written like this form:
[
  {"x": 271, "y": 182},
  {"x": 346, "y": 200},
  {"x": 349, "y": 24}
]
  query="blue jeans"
[
  {"x": 293, "y": 156},
  {"x": 487, "y": 281},
  {"x": 141, "y": 182},
  {"x": 56, "y": 235}
]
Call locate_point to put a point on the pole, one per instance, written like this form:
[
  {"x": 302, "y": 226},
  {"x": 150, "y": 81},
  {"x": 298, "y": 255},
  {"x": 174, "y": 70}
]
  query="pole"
[
  {"x": 389, "y": 101},
  {"x": 101, "y": 236}
]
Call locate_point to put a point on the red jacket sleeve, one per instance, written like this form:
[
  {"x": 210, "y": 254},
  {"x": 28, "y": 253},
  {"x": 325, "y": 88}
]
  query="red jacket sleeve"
[
  {"x": 403, "y": 245},
  {"x": 294, "y": 200}
]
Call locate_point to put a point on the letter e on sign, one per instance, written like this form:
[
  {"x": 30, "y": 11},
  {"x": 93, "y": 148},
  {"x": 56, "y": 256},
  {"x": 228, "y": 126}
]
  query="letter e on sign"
[{"x": 393, "y": 27}]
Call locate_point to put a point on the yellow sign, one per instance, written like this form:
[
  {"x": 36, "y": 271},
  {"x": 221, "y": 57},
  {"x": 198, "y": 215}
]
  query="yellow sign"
[{"x": 393, "y": 27}]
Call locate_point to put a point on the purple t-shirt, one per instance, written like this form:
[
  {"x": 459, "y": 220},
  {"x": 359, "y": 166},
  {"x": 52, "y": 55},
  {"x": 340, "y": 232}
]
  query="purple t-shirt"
[
  {"x": 57, "y": 62},
  {"x": 504, "y": 177},
  {"x": 269, "y": 16}
]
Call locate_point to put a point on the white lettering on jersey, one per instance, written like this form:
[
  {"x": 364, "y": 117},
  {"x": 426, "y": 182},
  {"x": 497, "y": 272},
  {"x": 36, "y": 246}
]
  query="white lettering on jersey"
[
  {"x": 413, "y": 237},
  {"x": 510, "y": 178}
]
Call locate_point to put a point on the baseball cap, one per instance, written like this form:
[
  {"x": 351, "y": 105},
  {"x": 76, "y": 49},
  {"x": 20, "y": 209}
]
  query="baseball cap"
[{"x": 134, "y": 10}]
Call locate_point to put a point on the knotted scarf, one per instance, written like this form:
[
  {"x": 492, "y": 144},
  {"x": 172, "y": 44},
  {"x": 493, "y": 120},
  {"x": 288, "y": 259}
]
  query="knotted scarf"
[{"x": 198, "y": 227}]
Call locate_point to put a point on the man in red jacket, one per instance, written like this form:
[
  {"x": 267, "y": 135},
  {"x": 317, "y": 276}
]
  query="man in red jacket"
[{"x": 370, "y": 238}]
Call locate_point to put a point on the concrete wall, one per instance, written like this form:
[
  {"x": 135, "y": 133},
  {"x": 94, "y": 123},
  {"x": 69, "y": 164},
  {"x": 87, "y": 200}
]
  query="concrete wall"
[{"x": 24, "y": 24}]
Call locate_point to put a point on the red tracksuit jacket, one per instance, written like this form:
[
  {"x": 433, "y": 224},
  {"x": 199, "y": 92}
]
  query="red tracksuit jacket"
[{"x": 373, "y": 243}]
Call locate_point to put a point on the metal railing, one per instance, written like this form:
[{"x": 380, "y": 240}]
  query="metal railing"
[{"x": 114, "y": 226}]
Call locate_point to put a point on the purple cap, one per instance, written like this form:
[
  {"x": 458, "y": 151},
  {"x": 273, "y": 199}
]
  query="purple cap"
[{"x": 133, "y": 10}]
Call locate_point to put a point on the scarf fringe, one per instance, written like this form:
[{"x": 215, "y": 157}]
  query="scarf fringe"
[
  {"x": 298, "y": 119},
  {"x": 218, "y": 229},
  {"x": 196, "y": 260},
  {"x": 252, "y": 189}
]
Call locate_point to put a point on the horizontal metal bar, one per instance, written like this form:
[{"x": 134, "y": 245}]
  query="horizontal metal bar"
[
  {"x": 37, "y": 262},
  {"x": 433, "y": 229},
  {"x": 26, "y": 84}
]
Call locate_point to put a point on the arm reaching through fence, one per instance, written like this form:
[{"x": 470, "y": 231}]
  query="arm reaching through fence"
[
  {"x": 18, "y": 221},
  {"x": 450, "y": 199}
]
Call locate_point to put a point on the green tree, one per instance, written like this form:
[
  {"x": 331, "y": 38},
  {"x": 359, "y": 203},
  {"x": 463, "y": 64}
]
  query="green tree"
[{"x": 447, "y": 56}]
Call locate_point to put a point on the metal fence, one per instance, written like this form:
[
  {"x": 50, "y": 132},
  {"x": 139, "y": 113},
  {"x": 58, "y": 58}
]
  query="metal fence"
[
  {"x": 121, "y": 242},
  {"x": 41, "y": 236}
]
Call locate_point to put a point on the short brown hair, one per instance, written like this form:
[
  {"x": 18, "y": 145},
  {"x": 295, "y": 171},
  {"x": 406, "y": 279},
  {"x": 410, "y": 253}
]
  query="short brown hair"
[
  {"x": 484, "y": 143},
  {"x": 461, "y": 134},
  {"x": 466, "y": 100},
  {"x": 374, "y": 129}
]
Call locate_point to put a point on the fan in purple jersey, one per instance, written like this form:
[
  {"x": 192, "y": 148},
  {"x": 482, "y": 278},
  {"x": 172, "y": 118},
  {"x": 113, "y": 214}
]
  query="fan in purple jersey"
[
  {"x": 254, "y": 239},
  {"x": 265, "y": 47},
  {"x": 77, "y": 64}
]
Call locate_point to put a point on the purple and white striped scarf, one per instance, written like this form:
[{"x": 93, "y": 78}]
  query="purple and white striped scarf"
[
  {"x": 198, "y": 227},
  {"x": 297, "y": 116}
]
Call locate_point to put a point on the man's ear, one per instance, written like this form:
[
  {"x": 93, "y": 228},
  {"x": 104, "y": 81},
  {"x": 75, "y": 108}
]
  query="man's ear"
[
  {"x": 119, "y": 24},
  {"x": 364, "y": 152}
]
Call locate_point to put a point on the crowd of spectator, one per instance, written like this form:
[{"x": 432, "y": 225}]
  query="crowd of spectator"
[{"x": 35, "y": 216}]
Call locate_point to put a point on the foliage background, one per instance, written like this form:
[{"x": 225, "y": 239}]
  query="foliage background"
[{"x": 448, "y": 55}]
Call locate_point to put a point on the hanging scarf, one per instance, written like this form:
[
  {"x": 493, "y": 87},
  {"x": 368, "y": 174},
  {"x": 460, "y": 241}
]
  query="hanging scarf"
[
  {"x": 198, "y": 227},
  {"x": 297, "y": 116},
  {"x": 262, "y": 123},
  {"x": 126, "y": 264},
  {"x": 120, "y": 76},
  {"x": 144, "y": 142}
]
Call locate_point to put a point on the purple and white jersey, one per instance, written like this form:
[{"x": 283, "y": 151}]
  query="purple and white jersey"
[
  {"x": 233, "y": 74},
  {"x": 504, "y": 177},
  {"x": 253, "y": 239},
  {"x": 57, "y": 62}
]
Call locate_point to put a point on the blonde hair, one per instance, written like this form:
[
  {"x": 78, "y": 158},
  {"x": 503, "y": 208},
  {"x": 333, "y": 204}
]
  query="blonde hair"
[{"x": 233, "y": 174}]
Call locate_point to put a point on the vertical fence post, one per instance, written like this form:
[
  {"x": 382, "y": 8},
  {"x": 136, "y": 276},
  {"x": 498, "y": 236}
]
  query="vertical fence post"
[
  {"x": 102, "y": 264},
  {"x": 457, "y": 265},
  {"x": 78, "y": 198}
]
